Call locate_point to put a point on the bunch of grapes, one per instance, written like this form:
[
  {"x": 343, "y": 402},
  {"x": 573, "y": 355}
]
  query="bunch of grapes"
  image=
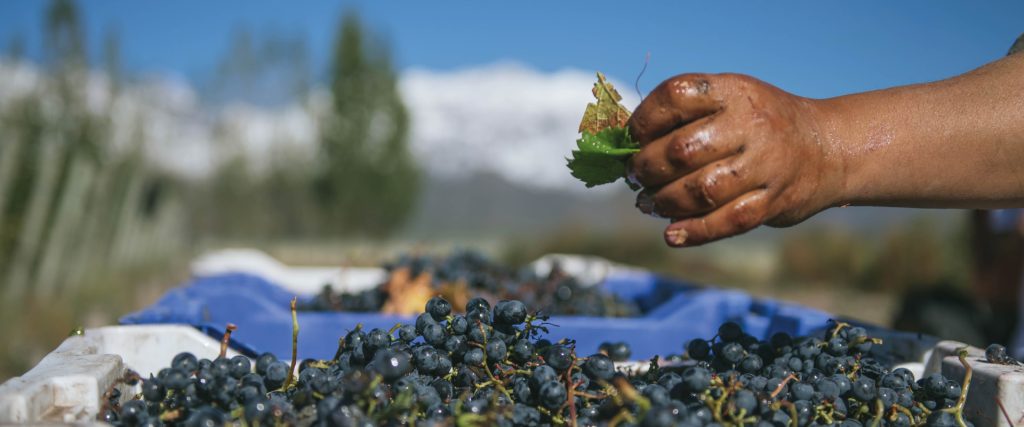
[
  {"x": 554, "y": 293},
  {"x": 489, "y": 367}
]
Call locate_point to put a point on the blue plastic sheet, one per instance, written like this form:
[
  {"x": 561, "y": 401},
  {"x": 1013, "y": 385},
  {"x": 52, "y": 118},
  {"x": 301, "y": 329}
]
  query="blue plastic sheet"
[{"x": 673, "y": 313}]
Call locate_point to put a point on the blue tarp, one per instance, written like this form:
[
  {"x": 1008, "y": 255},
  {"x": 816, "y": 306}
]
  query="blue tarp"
[{"x": 673, "y": 313}]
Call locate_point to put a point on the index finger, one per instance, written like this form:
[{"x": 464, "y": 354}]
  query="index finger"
[{"x": 675, "y": 102}]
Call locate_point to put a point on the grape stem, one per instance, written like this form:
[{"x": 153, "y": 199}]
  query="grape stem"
[
  {"x": 782, "y": 385},
  {"x": 295, "y": 345},
  {"x": 570, "y": 389},
  {"x": 497, "y": 383},
  {"x": 958, "y": 410},
  {"x": 839, "y": 327},
  {"x": 879, "y": 411},
  {"x": 227, "y": 338},
  {"x": 906, "y": 412}
]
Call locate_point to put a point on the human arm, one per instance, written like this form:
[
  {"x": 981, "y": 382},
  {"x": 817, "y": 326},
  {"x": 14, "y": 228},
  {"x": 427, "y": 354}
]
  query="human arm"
[{"x": 725, "y": 153}]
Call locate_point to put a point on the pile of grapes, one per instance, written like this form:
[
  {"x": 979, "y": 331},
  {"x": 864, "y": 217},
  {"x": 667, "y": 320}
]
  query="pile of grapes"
[
  {"x": 470, "y": 273},
  {"x": 490, "y": 368}
]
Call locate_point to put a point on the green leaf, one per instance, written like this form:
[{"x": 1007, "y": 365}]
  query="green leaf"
[
  {"x": 611, "y": 141},
  {"x": 605, "y": 146},
  {"x": 596, "y": 168}
]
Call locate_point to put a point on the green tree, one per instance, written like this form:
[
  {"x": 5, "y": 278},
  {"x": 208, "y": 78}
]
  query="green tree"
[{"x": 367, "y": 182}]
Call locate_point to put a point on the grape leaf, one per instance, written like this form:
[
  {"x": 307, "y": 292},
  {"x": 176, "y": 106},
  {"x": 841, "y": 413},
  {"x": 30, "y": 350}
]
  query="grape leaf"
[
  {"x": 607, "y": 112},
  {"x": 596, "y": 168},
  {"x": 605, "y": 146},
  {"x": 611, "y": 141},
  {"x": 601, "y": 158}
]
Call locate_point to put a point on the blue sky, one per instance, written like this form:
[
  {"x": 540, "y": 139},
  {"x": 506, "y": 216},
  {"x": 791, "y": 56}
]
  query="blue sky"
[{"x": 814, "y": 48}]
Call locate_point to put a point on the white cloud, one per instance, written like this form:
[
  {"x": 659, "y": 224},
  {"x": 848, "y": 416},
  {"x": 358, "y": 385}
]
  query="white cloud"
[{"x": 504, "y": 118}]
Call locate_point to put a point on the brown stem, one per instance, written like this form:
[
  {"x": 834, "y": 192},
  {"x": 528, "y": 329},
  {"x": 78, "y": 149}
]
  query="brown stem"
[
  {"x": 571, "y": 391},
  {"x": 295, "y": 345},
  {"x": 227, "y": 338},
  {"x": 786, "y": 380}
]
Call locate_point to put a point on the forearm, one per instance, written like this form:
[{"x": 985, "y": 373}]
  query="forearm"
[{"x": 953, "y": 143}]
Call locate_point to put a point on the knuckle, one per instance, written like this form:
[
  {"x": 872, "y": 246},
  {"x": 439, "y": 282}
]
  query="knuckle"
[
  {"x": 687, "y": 85},
  {"x": 745, "y": 215},
  {"x": 703, "y": 190},
  {"x": 681, "y": 151}
]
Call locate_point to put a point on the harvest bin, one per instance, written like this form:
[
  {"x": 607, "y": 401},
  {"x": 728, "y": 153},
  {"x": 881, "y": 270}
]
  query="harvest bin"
[
  {"x": 69, "y": 383},
  {"x": 672, "y": 313}
]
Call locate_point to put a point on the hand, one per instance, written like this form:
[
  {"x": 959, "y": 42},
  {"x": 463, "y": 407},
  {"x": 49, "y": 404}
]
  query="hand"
[{"x": 724, "y": 153}]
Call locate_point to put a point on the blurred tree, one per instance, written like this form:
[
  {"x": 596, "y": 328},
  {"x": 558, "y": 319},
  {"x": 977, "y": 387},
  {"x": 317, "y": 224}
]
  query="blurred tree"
[
  {"x": 65, "y": 40},
  {"x": 268, "y": 69},
  {"x": 367, "y": 181},
  {"x": 112, "y": 59},
  {"x": 16, "y": 47}
]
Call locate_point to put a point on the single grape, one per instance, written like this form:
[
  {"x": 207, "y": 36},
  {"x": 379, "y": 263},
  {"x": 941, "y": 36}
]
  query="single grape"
[
  {"x": 422, "y": 321},
  {"x": 510, "y": 312},
  {"x": 133, "y": 412},
  {"x": 558, "y": 357},
  {"x": 276, "y": 375},
  {"x": 730, "y": 331},
  {"x": 186, "y": 362},
  {"x": 744, "y": 400},
  {"x": 620, "y": 352},
  {"x": 239, "y": 366},
  {"x": 438, "y": 308},
  {"x": 732, "y": 353},
  {"x": 264, "y": 361},
  {"x": 496, "y": 350},
  {"x": 540, "y": 375},
  {"x": 474, "y": 357},
  {"x": 459, "y": 324},
  {"x": 863, "y": 389},
  {"x": 478, "y": 304},
  {"x": 698, "y": 349},
  {"x": 599, "y": 366},
  {"x": 522, "y": 351},
  {"x": 407, "y": 333},
  {"x": 696, "y": 379},
  {"x": 434, "y": 334},
  {"x": 801, "y": 391},
  {"x": 552, "y": 394}
]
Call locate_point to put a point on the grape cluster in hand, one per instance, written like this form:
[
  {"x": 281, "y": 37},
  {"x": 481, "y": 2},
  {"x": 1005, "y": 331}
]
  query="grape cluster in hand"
[{"x": 487, "y": 367}]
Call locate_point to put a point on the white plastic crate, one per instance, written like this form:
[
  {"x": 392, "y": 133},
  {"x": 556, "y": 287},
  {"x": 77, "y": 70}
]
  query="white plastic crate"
[
  {"x": 69, "y": 383},
  {"x": 301, "y": 280},
  {"x": 991, "y": 385}
]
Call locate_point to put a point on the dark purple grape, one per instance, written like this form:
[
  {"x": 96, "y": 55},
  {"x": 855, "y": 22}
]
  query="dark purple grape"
[
  {"x": 510, "y": 312},
  {"x": 698, "y": 349},
  {"x": 552, "y": 394},
  {"x": 730, "y": 331},
  {"x": 599, "y": 366},
  {"x": 438, "y": 308},
  {"x": 186, "y": 362},
  {"x": 558, "y": 357}
]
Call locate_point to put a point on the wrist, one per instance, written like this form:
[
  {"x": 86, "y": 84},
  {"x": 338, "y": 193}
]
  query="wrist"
[{"x": 840, "y": 183}]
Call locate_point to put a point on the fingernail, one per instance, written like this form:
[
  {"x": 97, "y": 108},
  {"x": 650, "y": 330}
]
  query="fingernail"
[
  {"x": 675, "y": 236},
  {"x": 645, "y": 202}
]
